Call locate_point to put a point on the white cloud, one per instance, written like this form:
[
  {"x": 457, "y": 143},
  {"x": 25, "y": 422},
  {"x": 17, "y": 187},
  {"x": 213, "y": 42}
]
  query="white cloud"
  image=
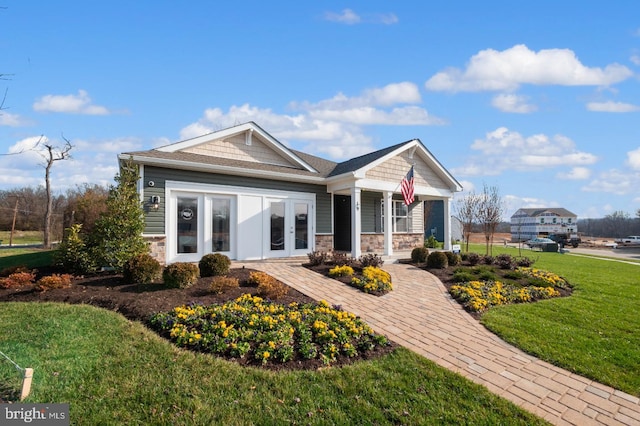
[
  {"x": 71, "y": 104},
  {"x": 614, "y": 182},
  {"x": 491, "y": 70},
  {"x": 503, "y": 150},
  {"x": 610, "y": 106},
  {"x": 633, "y": 159},
  {"x": 331, "y": 126},
  {"x": 13, "y": 120},
  {"x": 576, "y": 173},
  {"x": 513, "y": 103},
  {"x": 347, "y": 16},
  {"x": 635, "y": 59}
]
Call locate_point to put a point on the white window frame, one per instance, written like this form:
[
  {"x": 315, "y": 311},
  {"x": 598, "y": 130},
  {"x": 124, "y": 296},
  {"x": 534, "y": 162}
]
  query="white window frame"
[{"x": 395, "y": 217}]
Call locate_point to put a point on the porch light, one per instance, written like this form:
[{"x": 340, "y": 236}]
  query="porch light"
[{"x": 155, "y": 202}]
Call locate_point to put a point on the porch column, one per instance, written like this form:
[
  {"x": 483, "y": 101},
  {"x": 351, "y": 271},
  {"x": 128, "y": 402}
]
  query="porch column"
[
  {"x": 356, "y": 225},
  {"x": 388, "y": 223},
  {"x": 447, "y": 223}
]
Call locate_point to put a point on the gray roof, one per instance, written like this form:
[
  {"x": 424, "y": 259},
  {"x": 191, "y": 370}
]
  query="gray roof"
[
  {"x": 533, "y": 212},
  {"x": 359, "y": 162}
]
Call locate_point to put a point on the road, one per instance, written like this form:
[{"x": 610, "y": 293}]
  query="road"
[{"x": 621, "y": 253}]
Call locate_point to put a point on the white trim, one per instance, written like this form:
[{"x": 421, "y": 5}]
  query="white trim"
[
  {"x": 205, "y": 193},
  {"x": 231, "y": 131}
]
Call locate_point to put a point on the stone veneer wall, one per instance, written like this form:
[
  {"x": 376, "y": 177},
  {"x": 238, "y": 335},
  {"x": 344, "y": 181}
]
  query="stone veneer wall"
[
  {"x": 374, "y": 243},
  {"x": 324, "y": 242},
  {"x": 158, "y": 248}
]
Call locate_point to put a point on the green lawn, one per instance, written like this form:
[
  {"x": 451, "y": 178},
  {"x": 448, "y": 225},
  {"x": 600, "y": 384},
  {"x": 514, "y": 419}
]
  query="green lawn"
[
  {"x": 30, "y": 257},
  {"x": 595, "y": 332},
  {"x": 21, "y": 237},
  {"x": 113, "y": 371}
]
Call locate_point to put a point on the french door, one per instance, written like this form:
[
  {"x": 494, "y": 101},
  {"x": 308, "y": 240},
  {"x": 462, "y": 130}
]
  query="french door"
[{"x": 288, "y": 227}]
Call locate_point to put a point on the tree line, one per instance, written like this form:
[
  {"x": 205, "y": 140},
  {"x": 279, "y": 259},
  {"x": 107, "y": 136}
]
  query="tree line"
[{"x": 25, "y": 209}]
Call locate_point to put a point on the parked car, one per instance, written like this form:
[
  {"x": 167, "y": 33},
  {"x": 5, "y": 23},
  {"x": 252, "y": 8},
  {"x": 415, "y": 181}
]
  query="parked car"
[
  {"x": 631, "y": 239},
  {"x": 539, "y": 242}
]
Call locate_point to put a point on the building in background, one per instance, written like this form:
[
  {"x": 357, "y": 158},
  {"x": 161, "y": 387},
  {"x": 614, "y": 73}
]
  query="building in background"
[{"x": 542, "y": 222}]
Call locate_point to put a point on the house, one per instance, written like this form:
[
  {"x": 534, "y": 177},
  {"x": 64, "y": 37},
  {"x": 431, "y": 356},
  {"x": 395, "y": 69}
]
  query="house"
[
  {"x": 241, "y": 192},
  {"x": 531, "y": 223},
  {"x": 434, "y": 218}
]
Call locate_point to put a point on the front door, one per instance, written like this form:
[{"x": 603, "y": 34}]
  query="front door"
[
  {"x": 342, "y": 223},
  {"x": 288, "y": 227}
]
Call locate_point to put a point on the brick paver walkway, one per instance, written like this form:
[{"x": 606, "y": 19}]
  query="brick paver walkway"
[{"x": 420, "y": 315}]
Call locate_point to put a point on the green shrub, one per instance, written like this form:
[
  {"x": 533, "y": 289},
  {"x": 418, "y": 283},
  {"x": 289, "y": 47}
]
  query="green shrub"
[
  {"x": 453, "y": 259},
  {"x": 370, "y": 259},
  {"x": 431, "y": 242},
  {"x": 214, "y": 264},
  {"x": 221, "y": 284},
  {"x": 180, "y": 275},
  {"x": 72, "y": 254},
  {"x": 461, "y": 276},
  {"x": 419, "y": 254},
  {"x": 141, "y": 269},
  {"x": 437, "y": 260}
]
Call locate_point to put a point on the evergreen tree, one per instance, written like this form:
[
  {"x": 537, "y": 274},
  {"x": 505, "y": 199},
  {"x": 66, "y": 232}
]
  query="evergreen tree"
[{"x": 117, "y": 234}]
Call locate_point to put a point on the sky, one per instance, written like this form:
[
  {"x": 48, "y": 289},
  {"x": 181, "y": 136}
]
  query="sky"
[{"x": 538, "y": 99}]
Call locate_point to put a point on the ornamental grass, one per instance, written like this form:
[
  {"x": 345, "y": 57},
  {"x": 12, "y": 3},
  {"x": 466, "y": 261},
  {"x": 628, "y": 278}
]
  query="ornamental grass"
[{"x": 265, "y": 332}]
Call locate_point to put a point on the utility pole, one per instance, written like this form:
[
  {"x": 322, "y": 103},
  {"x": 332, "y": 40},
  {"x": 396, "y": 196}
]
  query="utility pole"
[{"x": 13, "y": 226}]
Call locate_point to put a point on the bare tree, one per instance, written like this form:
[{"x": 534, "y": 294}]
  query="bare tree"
[
  {"x": 490, "y": 210},
  {"x": 467, "y": 211},
  {"x": 51, "y": 154}
]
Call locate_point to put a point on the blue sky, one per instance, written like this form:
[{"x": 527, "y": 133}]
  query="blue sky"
[{"x": 541, "y": 99}]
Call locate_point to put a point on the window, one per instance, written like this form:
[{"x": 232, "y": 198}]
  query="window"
[
  {"x": 401, "y": 220},
  {"x": 542, "y": 220},
  {"x": 555, "y": 220},
  {"x": 569, "y": 220},
  {"x": 187, "y": 225},
  {"x": 221, "y": 224}
]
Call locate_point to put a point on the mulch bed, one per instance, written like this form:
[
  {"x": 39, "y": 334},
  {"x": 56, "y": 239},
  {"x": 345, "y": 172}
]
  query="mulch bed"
[
  {"x": 324, "y": 268},
  {"x": 140, "y": 302}
]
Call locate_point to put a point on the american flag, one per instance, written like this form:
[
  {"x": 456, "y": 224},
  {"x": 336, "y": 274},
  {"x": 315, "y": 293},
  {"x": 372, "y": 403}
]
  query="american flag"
[{"x": 406, "y": 187}]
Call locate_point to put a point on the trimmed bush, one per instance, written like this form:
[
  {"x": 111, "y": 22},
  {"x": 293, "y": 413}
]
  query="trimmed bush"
[
  {"x": 453, "y": 259},
  {"x": 180, "y": 275},
  {"x": 221, "y": 284},
  {"x": 370, "y": 259},
  {"x": 268, "y": 286},
  {"x": 419, "y": 254},
  {"x": 141, "y": 269},
  {"x": 54, "y": 281},
  {"x": 431, "y": 242},
  {"x": 214, "y": 264},
  {"x": 437, "y": 260}
]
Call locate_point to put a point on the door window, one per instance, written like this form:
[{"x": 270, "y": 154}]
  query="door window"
[
  {"x": 278, "y": 236},
  {"x": 187, "y": 225}
]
